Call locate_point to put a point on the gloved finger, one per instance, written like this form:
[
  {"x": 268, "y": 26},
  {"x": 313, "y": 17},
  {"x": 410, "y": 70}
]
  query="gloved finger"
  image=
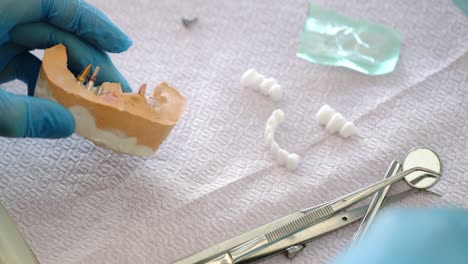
[
  {"x": 26, "y": 116},
  {"x": 434, "y": 235},
  {"x": 80, "y": 53},
  {"x": 8, "y": 51},
  {"x": 24, "y": 67},
  {"x": 75, "y": 16}
]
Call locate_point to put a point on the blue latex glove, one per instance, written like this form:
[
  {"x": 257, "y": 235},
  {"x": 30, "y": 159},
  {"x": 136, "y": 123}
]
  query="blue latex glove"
[
  {"x": 34, "y": 24},
  {"x": 411, "y": 236}
]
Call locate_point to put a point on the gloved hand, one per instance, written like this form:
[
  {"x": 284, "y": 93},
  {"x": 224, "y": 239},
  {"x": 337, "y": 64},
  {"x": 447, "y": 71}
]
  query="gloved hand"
[
  {"x": 409, "y": 236},
  {"x": 34, "y": 24}
]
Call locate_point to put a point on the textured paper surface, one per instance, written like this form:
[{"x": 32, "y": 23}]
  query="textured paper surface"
[{"x": 212, "y": 178}]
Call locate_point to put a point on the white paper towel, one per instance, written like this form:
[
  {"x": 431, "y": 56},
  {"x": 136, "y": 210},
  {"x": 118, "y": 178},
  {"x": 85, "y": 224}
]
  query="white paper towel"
[{"x": 213, "y": 179}]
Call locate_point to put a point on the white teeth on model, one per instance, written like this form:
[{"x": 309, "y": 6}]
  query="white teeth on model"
[
  {"x": 260, "y": 78},
  {"x": 335, "y": 122},
  {"x": 348, "y": 129},
  {"x": 278, "y": 114},
  {"x": 269, "y": 139},
  {"x": 324, "y": 114},
  {"x": 272, "y": 122},
  {"x": 267, "y": 86},
  {"x": 274, "y": 148},
  {"x": 269, "y": 132},
  {"x": 292, "y": 162},
  {"x": 269, "y": 129},
  {"x": 276, "y": 92},
  {"x": 281, "y": 156},
  {"x": 249, "y": 78}
]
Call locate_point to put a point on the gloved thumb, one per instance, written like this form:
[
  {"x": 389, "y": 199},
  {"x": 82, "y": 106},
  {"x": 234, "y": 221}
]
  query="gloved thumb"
[{"x": 25, "y": 116}]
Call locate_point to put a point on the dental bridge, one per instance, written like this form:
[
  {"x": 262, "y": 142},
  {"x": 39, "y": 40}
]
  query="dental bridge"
[{"x": 421, "y": 169}]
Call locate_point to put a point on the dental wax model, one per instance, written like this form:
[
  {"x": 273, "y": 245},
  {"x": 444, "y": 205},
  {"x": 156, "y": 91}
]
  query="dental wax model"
[
  {"x": 282, "y": 156},
  {"x": 335, "y": 122},
  {"x": 123, "y": 122},
  {"x": 267, "y": 86}
]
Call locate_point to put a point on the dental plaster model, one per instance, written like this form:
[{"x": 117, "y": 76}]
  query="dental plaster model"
[
  {"x": 335, "y": 122},
  {"x": 267, "y": 86},
  {"x": 124, "y": 122},
  {"x": 282, "y": 156}
]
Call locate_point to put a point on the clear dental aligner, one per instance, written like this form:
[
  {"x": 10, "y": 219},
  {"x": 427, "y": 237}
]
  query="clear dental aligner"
[
  {"x": 335, "y": 122},
  {"x": 267, "y": 86},
  {"x": 282, "y": 156}
]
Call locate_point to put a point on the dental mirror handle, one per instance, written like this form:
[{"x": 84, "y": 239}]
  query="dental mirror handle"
[
  {"x": 314, "y": 216},
  {"x": 362, "y": 194},
  {"x": 376, "y": 202}
]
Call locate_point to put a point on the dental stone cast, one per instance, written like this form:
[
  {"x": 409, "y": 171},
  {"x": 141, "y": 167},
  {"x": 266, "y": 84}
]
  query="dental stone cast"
[
  {"x": 267, "y": 86},
  {"x": 335, "y": 122},
  {"x": 142, "y": 125},
  {"x": 282, "y": 156}
]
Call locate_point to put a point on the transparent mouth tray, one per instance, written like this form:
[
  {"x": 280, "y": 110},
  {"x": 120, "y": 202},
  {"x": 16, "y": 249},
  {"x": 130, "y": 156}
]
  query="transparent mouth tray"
[{"x": 332, "y": 39}]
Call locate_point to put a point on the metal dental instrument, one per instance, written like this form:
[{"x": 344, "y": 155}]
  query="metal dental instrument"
[
  {"x": 92, "y": 79},
  {"x": 296, "y": 243},
  {"x": 293, "y": 244},
  {"x": 82, "y": 77},
  {"x": 423, "y": 169},
  {"x": 98, "y": 90},
  {"x": 187, "y": 22},
  {"x": 376, "y": 202},
  {"x": 319, "y": 214},
  {"x": 431, "y": 161},
  {"x": 414, "y": 157}
]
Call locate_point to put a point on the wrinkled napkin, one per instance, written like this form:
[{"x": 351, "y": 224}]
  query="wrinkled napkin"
[{"x": 213, "y": 179}]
